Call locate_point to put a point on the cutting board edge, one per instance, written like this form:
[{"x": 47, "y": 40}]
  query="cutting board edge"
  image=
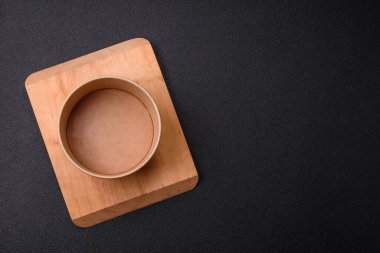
[{"x": 136, "y": 203}]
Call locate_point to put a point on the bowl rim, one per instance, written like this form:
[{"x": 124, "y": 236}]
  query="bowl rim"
[{"x": 136, "y": 167}]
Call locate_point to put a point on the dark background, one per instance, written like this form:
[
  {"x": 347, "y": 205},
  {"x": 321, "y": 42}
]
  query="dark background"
[{"x": 278, "y": 102}]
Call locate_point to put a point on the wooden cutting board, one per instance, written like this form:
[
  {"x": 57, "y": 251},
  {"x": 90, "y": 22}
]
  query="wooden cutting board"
[{"x": 91, "y": 200}]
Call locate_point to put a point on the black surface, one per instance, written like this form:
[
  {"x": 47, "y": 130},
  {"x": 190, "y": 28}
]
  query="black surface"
[{"x": 278, "y": 104}]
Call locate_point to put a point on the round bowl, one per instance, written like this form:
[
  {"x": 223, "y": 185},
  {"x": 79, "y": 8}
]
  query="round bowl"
[{"x": 109, "y": 127}]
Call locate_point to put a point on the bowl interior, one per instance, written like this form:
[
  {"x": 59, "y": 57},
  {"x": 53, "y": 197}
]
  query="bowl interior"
[{"x": 109, "y": 127}]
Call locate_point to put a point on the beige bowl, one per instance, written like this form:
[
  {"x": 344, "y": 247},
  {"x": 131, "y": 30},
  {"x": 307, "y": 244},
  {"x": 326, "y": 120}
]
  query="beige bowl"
[{"x": 109, "y": 127}]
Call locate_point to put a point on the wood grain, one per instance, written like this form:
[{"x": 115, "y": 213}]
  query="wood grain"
[{"x": 91, "y": 200}]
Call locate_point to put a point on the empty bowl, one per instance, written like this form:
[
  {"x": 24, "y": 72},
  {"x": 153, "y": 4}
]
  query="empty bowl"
[{"x": 109, "y": 127}]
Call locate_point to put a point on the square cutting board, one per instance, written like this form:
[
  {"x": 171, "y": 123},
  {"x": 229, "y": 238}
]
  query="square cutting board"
[{"x": 91, "y": 200}]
